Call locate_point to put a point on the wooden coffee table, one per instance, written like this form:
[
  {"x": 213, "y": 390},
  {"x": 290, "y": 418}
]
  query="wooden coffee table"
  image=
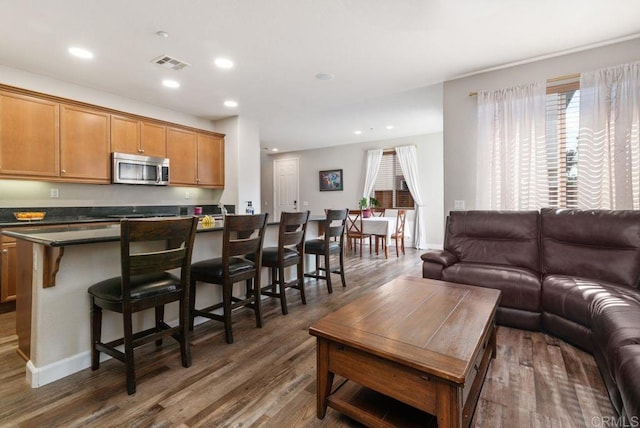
[{"x": 414, "y": 342}]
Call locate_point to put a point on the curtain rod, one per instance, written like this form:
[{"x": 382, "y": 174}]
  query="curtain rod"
[{"x": 550, "y": 80}]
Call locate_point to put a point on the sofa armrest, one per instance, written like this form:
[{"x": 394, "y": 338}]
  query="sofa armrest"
[
  {"x": 442, "y": 257},
  {"x": 434, "y": 261}
]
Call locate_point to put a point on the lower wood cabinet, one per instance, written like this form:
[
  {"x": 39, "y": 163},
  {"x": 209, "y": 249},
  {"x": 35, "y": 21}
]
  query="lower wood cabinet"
[{"x": 8, "y": 269}]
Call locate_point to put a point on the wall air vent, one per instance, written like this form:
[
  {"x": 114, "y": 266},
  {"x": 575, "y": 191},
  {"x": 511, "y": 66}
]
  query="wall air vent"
[{"x": 169, "y": 62}]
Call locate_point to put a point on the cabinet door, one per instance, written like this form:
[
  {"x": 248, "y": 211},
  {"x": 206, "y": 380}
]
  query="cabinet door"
[
  {"x": 84, "y": 144},
  {"x": 8, "y": 271},
  {"x": 125, "y": 135},
  {"x": 153, "y": 139},
  {"x": 181, "y": 151},
  {"x": 210, "y": 161},
  {"x": 29, "y": 139}
]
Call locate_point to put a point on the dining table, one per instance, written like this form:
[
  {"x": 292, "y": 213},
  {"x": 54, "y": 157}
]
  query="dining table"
[{"x": 380, "y": 227}]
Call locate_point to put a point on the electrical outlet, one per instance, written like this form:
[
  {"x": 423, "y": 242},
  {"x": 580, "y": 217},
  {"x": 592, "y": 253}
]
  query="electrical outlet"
[
  {"x": 187, "y": 195},
  {"x": 54, "y": 193},
  {"x": 458, "y": 204},
  {"x": 305, "y": 203}
]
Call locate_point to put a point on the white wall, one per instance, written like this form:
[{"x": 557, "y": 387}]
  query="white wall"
[
  {"x": 460, "y": 108},
  {"x": 352, "y": 160},
  {"x": 242, "y": 162},
  {"x": 18, "y": 193}
]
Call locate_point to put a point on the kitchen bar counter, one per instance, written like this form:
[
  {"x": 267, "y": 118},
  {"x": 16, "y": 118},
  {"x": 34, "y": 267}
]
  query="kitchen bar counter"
[
  {"x": 76, "y": 234},
  {"x": 56, "y": 265}
]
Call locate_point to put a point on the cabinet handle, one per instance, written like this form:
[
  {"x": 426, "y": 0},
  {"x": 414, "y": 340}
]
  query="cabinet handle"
[
  {"x": 64, "y": 171},
  {"x": 5, "y": 251}
]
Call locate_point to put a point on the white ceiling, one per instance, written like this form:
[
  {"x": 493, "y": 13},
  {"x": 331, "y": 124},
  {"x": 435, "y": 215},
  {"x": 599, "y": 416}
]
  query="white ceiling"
[{"x": 388, "y": 57}]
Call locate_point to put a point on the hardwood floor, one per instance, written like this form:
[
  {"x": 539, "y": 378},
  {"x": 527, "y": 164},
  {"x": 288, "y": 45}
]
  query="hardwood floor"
[{"x": 267, "y": 377}]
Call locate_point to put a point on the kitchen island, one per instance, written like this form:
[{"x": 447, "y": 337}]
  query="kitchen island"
[{"x": 56, "y": 265}]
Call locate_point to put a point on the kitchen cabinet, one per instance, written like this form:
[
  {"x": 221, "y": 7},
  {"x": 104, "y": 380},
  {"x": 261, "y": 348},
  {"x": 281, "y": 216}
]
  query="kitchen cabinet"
[
  {"x": 129, "y": 135},
  {"x": 196, "y": 159},
  {"x": 29, "y": 138},
  {"x": 84, "y": 144},
  {"x": 210, "y": 171},
  {"x": 181, "y": 151},
  {"x": 8, "y": 270}
]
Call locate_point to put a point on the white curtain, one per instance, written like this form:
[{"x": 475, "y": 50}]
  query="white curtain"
[
  {"x": 408, "y": 158},
  {"x": 609, "y": 138},
  {"x": 511, "y": 152},
  {"x": 374, "y": 157}
]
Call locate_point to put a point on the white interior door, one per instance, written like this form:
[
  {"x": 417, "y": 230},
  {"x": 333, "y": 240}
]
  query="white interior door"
[{"x": 286, "y": 187}]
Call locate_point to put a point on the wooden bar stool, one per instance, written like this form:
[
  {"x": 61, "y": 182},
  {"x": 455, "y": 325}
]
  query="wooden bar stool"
[
  {"x": 332, "y": 243},
  {"x": 144, "y": 284},
  {"x": 242, "y": 239},
  {"x": 289, "y": 252}
]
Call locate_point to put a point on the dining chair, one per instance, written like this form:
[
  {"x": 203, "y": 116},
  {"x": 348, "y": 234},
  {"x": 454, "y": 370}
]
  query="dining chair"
[
  {"x": 398, "y": 235},
  {"x": 378, "y": 212},
  {"x": 289, "y": 252},
  {"x": 331, "y": 243},
  {"x": 242, "y": 238},
  {"x": 144, "y": 283},
  {"x": 355, "y": 230}
]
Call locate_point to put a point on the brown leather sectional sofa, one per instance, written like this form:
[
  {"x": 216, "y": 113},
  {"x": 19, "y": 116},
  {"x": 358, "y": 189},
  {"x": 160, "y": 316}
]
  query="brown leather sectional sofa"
[{"x": 571, "y": 273}]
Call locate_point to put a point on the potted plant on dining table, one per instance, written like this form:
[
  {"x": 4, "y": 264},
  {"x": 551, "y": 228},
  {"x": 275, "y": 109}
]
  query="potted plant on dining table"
[{"x": 366, "y": 204}]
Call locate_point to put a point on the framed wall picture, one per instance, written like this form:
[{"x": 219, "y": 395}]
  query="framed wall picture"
[{"x": 331, "y": 180}]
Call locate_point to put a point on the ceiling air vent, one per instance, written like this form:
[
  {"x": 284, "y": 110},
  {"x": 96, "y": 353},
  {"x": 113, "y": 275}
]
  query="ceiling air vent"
[{"x": 169, "y": 62}]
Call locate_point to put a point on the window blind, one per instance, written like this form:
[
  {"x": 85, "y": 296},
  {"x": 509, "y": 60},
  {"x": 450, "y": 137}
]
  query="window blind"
[
  {"x": 390, "y": 188},
  {"x": 563, "y": 121}
]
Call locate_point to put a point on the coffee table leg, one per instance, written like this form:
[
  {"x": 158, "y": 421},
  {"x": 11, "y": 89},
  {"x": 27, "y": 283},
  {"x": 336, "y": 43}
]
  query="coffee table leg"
[
  {"x": 324, "y": 378},
  {"x": 448, "y": 405},
  {"x": 492, "y": 341}
]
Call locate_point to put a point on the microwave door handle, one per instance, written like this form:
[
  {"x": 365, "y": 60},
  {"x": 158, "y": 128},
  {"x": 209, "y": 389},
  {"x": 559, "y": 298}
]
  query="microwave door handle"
[{"x": 159, "y": 173}]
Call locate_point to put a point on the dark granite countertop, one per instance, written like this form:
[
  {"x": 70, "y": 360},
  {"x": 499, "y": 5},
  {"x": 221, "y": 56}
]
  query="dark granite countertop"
[{"x": 76, "y": 234}]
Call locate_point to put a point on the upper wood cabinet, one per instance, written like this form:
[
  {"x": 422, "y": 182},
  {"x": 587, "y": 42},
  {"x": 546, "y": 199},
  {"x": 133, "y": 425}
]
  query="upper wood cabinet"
[
  {"x": 196, "y": 159},
  {"x": 210, "y": 161},
  {"x": 84, "y": 145},
  {"x": 43, "y": 137},
  {"x": 130, "y": 135},
  {"x": 181, "y": 151},
  {"x": 153, "y": 139},
  {"x": 29, "y": 138}
]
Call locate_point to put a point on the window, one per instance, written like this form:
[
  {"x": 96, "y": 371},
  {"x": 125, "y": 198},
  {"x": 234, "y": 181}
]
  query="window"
[
  {"x": 563, "y": 114},
  {"x": 390, "y": 188}
]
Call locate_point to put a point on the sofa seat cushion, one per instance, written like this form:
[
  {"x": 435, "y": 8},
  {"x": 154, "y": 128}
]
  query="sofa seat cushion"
[
  {"x": 576, "y": 299},
  {"x": 627, "y": 377},
  {"x": 520, "y": 287},
  {"x": 616, "y": 323}
]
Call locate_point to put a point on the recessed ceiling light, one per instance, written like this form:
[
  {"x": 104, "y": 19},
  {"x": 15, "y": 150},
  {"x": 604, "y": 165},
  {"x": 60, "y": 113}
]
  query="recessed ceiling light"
[
  {"x": 389, "y": 126},
  {"x": 80, "y": 52},
  {"x": 274, "y": 149},
  {"x": 171, "y": 83},
  {"x": 231, "y": 103},
  {"x": 324, "y": 76},
  {"x": 162, "y": 34},
  {"x": 357, "y": 132},
  {"x": 224, "y": 63}
]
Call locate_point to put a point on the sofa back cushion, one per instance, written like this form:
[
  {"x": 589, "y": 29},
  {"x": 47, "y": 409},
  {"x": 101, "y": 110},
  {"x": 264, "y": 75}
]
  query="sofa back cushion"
[
  {"x": 498, "y": 237},
  {"x": 597, "y": 244}
]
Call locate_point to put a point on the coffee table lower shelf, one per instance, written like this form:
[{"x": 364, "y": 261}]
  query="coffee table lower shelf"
[{"x": 377, "y": 410}]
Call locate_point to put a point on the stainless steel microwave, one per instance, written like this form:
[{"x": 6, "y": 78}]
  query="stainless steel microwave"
[{"x": 137, "y": 169}]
